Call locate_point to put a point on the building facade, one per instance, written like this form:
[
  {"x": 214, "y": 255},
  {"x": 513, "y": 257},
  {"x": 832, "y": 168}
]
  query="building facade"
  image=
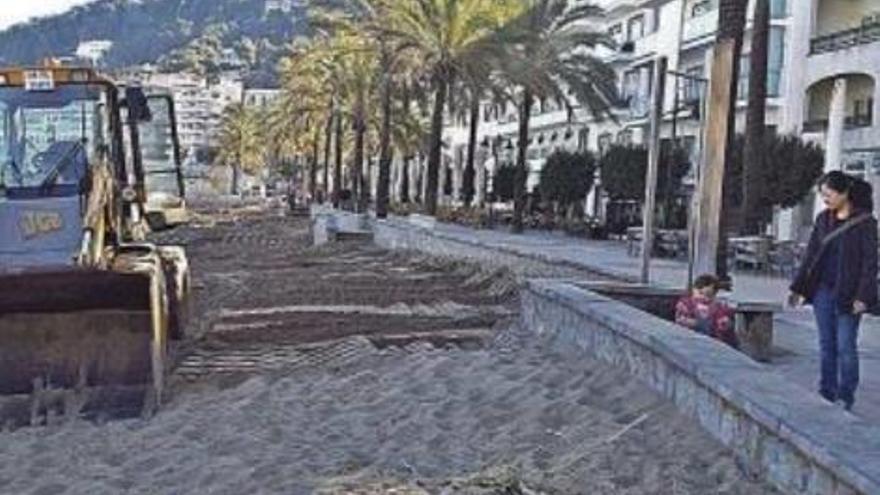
[
  {"x": 93, "y": 51},
  {"x": 824, "y": 61},
  {"x": 261, "y": 98}
]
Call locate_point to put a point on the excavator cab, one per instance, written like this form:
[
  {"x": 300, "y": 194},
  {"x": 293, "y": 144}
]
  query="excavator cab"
[
  {"x": 51, "y": 134},
  {"x": 162, "y": 164},
  {"x": 86, "y": 305}
]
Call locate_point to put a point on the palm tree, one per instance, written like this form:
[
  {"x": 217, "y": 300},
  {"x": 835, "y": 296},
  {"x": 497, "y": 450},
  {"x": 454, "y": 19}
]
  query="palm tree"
[
  {"x": 443, "y": 34},
  {"x": 381, "y": 65},
  {"x": 474, "y": 87},
  {"x": 242, "y": 145},
  {"x": 309, "y": 96},
  {"x": 755, "y": 119},
  {"x": 330, "y": 79},
  {"x": 551, "y": 48}
]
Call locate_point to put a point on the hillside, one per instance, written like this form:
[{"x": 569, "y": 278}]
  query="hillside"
[{"x": 178, "y": 34}]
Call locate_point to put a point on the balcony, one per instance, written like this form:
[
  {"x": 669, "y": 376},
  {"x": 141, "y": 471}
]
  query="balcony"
[
  {"x": 865, "y": 34},
  {"x": 631, "y": 50},
  {"x": 851, "y": 122},
  {"x": 701, "y": 26}
]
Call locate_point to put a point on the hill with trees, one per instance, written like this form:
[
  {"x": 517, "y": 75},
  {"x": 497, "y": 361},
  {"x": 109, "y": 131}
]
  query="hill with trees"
[{"x": 176, "y": 34}]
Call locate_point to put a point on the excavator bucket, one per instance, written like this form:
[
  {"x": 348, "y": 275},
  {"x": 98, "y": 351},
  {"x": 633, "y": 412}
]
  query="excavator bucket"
[{"x": 82, "y": 342}]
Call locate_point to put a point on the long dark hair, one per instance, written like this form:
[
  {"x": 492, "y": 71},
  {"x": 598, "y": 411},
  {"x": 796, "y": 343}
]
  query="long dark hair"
[{"x": 859, "y": 191}]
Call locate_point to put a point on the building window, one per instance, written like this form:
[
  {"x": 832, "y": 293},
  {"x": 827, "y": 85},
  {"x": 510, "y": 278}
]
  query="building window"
[
  {"x": 635, "y": 28},
  {"x": 616, "y": 33},
  {"x": 702, "y": 7},
  {"x": 625, "y": 138},
  {"x": 636, "y": 90},
  {"x": 774, "y": 68},
  {"x": 583, "y": 139},
  {"x": 778, "y": 9},
  {"x": 863, "y": 112},
  {"x": 630, "y": 88},
  {"x": 693, "y": 88},
  {"x": 605, "y": 141},
  {"x": 776, "y": 58}
]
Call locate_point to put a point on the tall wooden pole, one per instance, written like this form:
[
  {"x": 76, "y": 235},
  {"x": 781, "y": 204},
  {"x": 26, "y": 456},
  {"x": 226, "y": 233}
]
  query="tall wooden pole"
[
  {"x": 653, "y": 165},
  {"x": 712, "y": 179}
]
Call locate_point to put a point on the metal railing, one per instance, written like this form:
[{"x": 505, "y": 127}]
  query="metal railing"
[
  {"x": 850, "y": 122},
  {"x": 841, "y": 40}
]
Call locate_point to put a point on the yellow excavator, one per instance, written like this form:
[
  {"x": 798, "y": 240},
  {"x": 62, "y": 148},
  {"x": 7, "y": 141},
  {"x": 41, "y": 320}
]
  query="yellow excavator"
[{"x": 87, "y": 307}]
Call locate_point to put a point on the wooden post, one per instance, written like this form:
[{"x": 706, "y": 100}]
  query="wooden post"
[
  {"x": 712, "y": 178},
  {"x": 653, "y": 164}
]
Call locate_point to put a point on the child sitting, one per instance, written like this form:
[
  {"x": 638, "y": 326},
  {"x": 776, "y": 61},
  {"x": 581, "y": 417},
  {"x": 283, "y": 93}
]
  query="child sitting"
[{"x": 701, "y": 312}]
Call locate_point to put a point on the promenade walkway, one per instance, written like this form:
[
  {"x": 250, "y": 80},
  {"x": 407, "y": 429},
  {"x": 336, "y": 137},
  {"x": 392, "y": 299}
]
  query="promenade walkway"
[{"x": 796, "y": 353}]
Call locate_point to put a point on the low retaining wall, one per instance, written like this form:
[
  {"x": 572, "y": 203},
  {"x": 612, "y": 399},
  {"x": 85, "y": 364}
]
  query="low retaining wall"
[
  {"x": 778, "y": 430},
  {"x": 398, "y": 233}
]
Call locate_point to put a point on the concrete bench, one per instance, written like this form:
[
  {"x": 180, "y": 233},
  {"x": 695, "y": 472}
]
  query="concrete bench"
[
  {"x": 336, "y": 226},
  {"x": 753, "y": 321}
]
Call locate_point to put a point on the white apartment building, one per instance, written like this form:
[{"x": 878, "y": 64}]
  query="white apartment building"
[
  {"x": 824, "y": 64},
  {"x": 283, "y": 6},
  {"x": 260, "y": 97},
  {"x": 199, "y": 105},
  {"x": 93, "y": 51}
]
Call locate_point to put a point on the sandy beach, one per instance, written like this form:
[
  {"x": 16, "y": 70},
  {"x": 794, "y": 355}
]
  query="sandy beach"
[
  {"x": 281, "y": 399},
  {"x": 555, "y": 423}
]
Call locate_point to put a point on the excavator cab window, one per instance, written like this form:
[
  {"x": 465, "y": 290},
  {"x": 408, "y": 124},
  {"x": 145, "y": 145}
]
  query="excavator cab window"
[
  {"x": 48, "y": 139},
  {"x": 161, "y": 150}
]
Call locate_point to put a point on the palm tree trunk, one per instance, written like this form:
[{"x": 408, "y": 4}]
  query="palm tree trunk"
[
  {"x": 440, "y": 90},
  {"x": 521, "y": 177},
  {"x": 472, "y": 147},
  {"x": 419, "y": 178},
  {"x": 328, "y": 136},
  {"x": 358, "y": 167},
  {"x": 313, "y": 167},
  {"x": 337, "y": 169},
  {"x": 405, "y": 180},
  {"x": 235, "y": 175},
  {"x": 753, "y": 154},
  {"x": 384, "y": 186},
  {"x": 237, "y": 165}
]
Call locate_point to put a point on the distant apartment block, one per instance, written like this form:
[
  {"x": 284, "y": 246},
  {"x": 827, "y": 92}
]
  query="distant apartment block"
[
  {"x": 283, "y": 6},
  {"x": 93, "y": 51},
  {"x": 260, "y": 97},
  {"x": 199, "y": 105}
]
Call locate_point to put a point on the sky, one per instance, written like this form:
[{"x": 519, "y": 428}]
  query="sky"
[{"x": 15, "y": 11}]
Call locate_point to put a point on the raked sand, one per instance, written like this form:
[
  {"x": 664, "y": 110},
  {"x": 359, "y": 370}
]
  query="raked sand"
[{"x": 435, "y": 421}]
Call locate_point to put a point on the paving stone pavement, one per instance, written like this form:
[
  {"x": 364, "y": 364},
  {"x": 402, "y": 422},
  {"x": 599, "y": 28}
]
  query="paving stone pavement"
[{"x": 795, "y": 332}]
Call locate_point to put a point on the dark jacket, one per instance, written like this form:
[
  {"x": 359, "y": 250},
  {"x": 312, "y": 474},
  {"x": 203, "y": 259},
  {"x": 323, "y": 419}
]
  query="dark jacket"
[{"x": 857, "y": 272}]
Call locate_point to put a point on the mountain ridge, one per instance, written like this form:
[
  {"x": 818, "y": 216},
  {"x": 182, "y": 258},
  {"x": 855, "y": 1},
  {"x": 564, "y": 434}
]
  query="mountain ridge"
[{"x": 176, "y": 34}]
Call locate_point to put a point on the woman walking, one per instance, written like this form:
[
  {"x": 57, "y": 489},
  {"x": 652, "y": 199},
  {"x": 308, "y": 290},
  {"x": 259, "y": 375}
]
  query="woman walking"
[{"x": 838, "y": 277}]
